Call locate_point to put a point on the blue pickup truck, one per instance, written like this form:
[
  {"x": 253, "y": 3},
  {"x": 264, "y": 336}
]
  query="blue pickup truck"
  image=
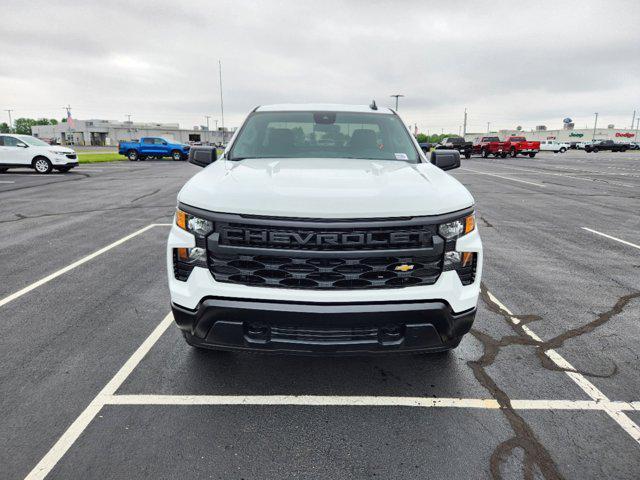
[{"x": 153, "y": 147}]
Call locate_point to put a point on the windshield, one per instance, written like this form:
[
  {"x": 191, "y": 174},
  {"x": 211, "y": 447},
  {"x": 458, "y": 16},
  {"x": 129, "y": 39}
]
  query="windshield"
[
  {"x": 33, "y": 141},
  {"x": 518, "y": 139},
  {"x": 490, "y": 139},
  {"x": 324, "y": 135}
]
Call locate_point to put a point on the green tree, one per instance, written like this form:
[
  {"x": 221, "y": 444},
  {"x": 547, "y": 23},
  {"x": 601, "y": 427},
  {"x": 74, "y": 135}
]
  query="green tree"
[
  {"x": 23, "y": 125},
  {"x": 422, "y": 138},
  {"x": 4, "y": 127},
  {"x": 53, "y": 121}
]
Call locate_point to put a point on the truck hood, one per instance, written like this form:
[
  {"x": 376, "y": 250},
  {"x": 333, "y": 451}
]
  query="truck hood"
[{"x": 325, "y": 188}]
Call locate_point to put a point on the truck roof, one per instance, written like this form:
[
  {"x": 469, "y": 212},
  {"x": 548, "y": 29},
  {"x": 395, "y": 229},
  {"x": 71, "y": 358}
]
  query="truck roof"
[{"x": 321, "y": 107}]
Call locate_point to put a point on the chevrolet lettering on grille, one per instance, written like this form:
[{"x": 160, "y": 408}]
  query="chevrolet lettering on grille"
[{"x": 319, "y": 239}]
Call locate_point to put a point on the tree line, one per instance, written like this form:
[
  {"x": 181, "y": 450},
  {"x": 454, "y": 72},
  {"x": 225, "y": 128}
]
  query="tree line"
[{"x": 23, "y": 126}]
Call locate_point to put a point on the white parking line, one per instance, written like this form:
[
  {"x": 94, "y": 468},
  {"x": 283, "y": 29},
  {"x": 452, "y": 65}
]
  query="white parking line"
[
  {"x": 587, "y": 387},
  {"x": 500, "y": 176},
  {"x": 75, "y": 264},
  {"x": 557, "y": 174},
  {"x": 368, "y": 401},
  {"x": 4, "y": 181},
  {"x": 612, "y": 238},
  {"x": 53, "y": 456}
]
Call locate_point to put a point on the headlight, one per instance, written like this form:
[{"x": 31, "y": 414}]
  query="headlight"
[
  {"x": 56, "y": 152},
  {"x": 463, "y": 263},
  {"x": 192, "y": 224},
  {"x": 458, "y": 228},
  {"x": 184, "y": 259}
]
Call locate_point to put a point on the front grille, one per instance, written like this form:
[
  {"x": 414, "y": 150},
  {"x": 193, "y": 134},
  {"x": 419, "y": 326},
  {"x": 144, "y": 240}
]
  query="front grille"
[
  {"x": 330, "y": 272},
  {"x": 324, "y": 334},
  {"x": 72, "y": 156},
  {"x": 325, "y": 238}
]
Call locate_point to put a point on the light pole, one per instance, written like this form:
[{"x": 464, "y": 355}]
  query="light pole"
[
  {"x": 637, "y": 125},
  {"x": 128, "y": 115},
  {"x": 221, "y": 102},
  {"x": 207, "y": 117},
  {"x": 396, "y": 96},
  {"x": 488, "y": 123},
  {"x": 464, "y": 126},
  {"x": 595, "y": 124},
  {"x": 10, "y": 121}
]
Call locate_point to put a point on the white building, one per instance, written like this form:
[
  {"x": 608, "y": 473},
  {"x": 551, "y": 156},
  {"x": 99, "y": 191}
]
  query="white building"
[{"x": 110, "y": 132}]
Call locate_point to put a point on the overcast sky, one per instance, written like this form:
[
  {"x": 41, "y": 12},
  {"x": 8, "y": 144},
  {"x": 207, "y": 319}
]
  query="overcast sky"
[{"x": 510, "y": 63}]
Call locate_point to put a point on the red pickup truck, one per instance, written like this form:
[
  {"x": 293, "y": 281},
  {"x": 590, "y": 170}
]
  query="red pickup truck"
[
  {"x": 519, "y": 145},
  {"x": 486, "y": 146}
]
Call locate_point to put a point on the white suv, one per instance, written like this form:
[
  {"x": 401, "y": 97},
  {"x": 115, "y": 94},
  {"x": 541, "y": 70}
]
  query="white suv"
[
  {"x": 324, "y": 228},
  {"x": 20, "y": 151}
]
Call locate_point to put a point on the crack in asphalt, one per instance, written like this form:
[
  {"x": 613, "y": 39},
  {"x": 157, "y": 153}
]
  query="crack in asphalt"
[
  {"x": 535, "y": 454},
  {"x": 97, "y": 210},
  {"x": 145, "y": 195},
  {"x": 485, "y": 222}
]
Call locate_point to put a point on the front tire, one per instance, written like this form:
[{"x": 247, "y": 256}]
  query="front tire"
[
  {"x": 485, "y": 153},
  {"x": 467, "y": 156},
  {"x": 132, "y": 155},
  {"x": 42, "y": 165},
  {"x": 594, "y": 150},
  {"x": 531, "y": 155},
  {"x": 513, "y": 153},
  {"x": 176, "y": 155},
  {"x": 562, "y": 150}
]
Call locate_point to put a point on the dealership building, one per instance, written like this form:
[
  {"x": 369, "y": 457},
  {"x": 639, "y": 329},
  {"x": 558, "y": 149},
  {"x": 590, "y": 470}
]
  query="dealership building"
[
  {"x": 110, "y": 132},
  {"x": 622, "y": 135}
]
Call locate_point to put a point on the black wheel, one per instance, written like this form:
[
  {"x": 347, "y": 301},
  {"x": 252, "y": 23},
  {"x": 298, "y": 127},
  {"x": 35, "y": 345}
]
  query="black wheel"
[
  {"x": 595, "y": 150},
  {"x": 513, "y": 153},
  {"x": 467, "y": 155},
  {"x": 503, "y": 155},
  {"x": 531, "y": 155},
  {"x": 3, "y": 170},
  {"x": 132, "y": 155},
  {"x": 562, "y": 150},
  {"x": 42, "y": 165},
  {"x": 176, "y": 155},
  {"x": 485, "y": 153},
  {"x": 63, "y": 169}
]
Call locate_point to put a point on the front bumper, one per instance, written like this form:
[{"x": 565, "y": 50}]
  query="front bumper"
[{"x": 308, "y": 328}]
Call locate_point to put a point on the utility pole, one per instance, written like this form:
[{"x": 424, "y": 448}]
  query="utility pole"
[
  {"x": 464, "y": 126},
  {"x": 221, "y": 102},
  {"x": 207, "y": 117},
  {"x": 595, "y": 124},
  {"x": 128, "y": 115},
  {"x": 216, "y": 124},
  {"x": 68, "y": 109},
  {"x": 637, "y": 125},
  {"x": 9, "y": 110},
  {"x": 633, "y": 119},
  {"x": 397, "y": 95},
  {"x": 459, "y": 129},
  {"x": 488, "y": 123}
]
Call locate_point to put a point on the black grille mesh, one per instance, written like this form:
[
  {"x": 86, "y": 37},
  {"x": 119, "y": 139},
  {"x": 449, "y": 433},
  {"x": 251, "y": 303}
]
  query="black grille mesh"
[{"x": 325, "y": 272}]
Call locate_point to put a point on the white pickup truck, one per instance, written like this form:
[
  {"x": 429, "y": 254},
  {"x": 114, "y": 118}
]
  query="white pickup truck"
[
  {"x": 324, "y": 229},
  {"x": 553, "y": 146}
]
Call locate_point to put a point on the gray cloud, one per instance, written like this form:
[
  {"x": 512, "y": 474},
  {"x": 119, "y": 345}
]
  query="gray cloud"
[{"x": 508, "y": 64}]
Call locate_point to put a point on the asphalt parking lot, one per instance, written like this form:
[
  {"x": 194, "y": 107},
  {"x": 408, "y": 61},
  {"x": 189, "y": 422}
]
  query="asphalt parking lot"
[{"x": 97, "y": 382}]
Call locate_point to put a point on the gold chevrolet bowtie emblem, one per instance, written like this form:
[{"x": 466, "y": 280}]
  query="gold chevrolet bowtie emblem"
[{"x": 403, "y": 268}]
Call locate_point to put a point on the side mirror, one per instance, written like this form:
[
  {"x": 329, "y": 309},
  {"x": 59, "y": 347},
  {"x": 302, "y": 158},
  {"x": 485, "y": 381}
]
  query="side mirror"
[
  {"x": 203, "y": 155},
  {"x": 164, "y": 143},
  {"x": 446, "y": 159},
  {"x": 22, "y": 145}
]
